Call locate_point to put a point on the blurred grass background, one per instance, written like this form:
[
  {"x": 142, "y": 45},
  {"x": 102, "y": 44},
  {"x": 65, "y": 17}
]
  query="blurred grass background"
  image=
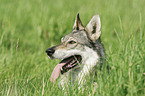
[{"x": 29, "y": 27}]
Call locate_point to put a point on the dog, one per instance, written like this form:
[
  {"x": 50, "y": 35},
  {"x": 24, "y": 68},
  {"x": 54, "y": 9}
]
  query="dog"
[{"x": 81, "y": 51}]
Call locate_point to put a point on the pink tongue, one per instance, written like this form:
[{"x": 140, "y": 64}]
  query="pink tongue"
[{"x": 56, "y": 72}]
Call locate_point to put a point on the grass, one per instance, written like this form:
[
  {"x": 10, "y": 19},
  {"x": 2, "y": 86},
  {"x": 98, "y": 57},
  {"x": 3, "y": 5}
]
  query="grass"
[{"x": 29, "y": 27}]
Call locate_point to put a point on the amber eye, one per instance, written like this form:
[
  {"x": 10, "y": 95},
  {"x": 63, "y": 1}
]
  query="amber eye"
[{"x": 71, "y": 42}]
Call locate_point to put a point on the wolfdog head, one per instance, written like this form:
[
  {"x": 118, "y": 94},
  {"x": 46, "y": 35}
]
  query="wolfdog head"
[{"x": 81, "y": 48}]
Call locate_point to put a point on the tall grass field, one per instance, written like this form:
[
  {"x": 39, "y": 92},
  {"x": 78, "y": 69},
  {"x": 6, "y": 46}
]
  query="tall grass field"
[{"x": 29, "y": 27}]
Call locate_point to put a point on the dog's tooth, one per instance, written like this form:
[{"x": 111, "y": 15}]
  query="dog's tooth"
[{"x": 61, "y": 69}]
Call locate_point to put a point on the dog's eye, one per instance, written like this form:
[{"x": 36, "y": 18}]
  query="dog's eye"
[{"x": 71, "y": 42}]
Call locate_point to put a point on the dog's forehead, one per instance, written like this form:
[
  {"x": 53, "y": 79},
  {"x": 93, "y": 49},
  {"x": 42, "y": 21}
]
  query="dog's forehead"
[{"x": 78, "y": 35}]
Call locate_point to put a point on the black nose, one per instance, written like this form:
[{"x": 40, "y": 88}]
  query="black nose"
[{"x": 50, "y": 51}]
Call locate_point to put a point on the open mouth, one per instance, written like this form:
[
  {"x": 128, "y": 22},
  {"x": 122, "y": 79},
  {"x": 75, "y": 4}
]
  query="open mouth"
[
  {"x": 70, "y": 63},
  {"x": 65, "y": 65}
]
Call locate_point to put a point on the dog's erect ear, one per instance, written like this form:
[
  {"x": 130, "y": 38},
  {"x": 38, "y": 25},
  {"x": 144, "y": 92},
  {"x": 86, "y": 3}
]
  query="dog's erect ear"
[
  {"x": 78, "y": 24},
  {"x": 94, "y": 28}
]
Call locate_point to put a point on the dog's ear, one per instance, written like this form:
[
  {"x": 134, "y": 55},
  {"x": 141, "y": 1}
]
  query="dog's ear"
[
  {"x": 94, "y": 28},
  {"x": 78, "y": 24}
]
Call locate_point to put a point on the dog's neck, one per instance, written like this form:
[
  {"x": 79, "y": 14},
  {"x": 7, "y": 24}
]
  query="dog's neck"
[{"x": 90, "y": 60}]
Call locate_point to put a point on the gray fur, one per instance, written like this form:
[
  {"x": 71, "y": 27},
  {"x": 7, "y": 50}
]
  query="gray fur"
[{"x": 87, "y": 42}]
